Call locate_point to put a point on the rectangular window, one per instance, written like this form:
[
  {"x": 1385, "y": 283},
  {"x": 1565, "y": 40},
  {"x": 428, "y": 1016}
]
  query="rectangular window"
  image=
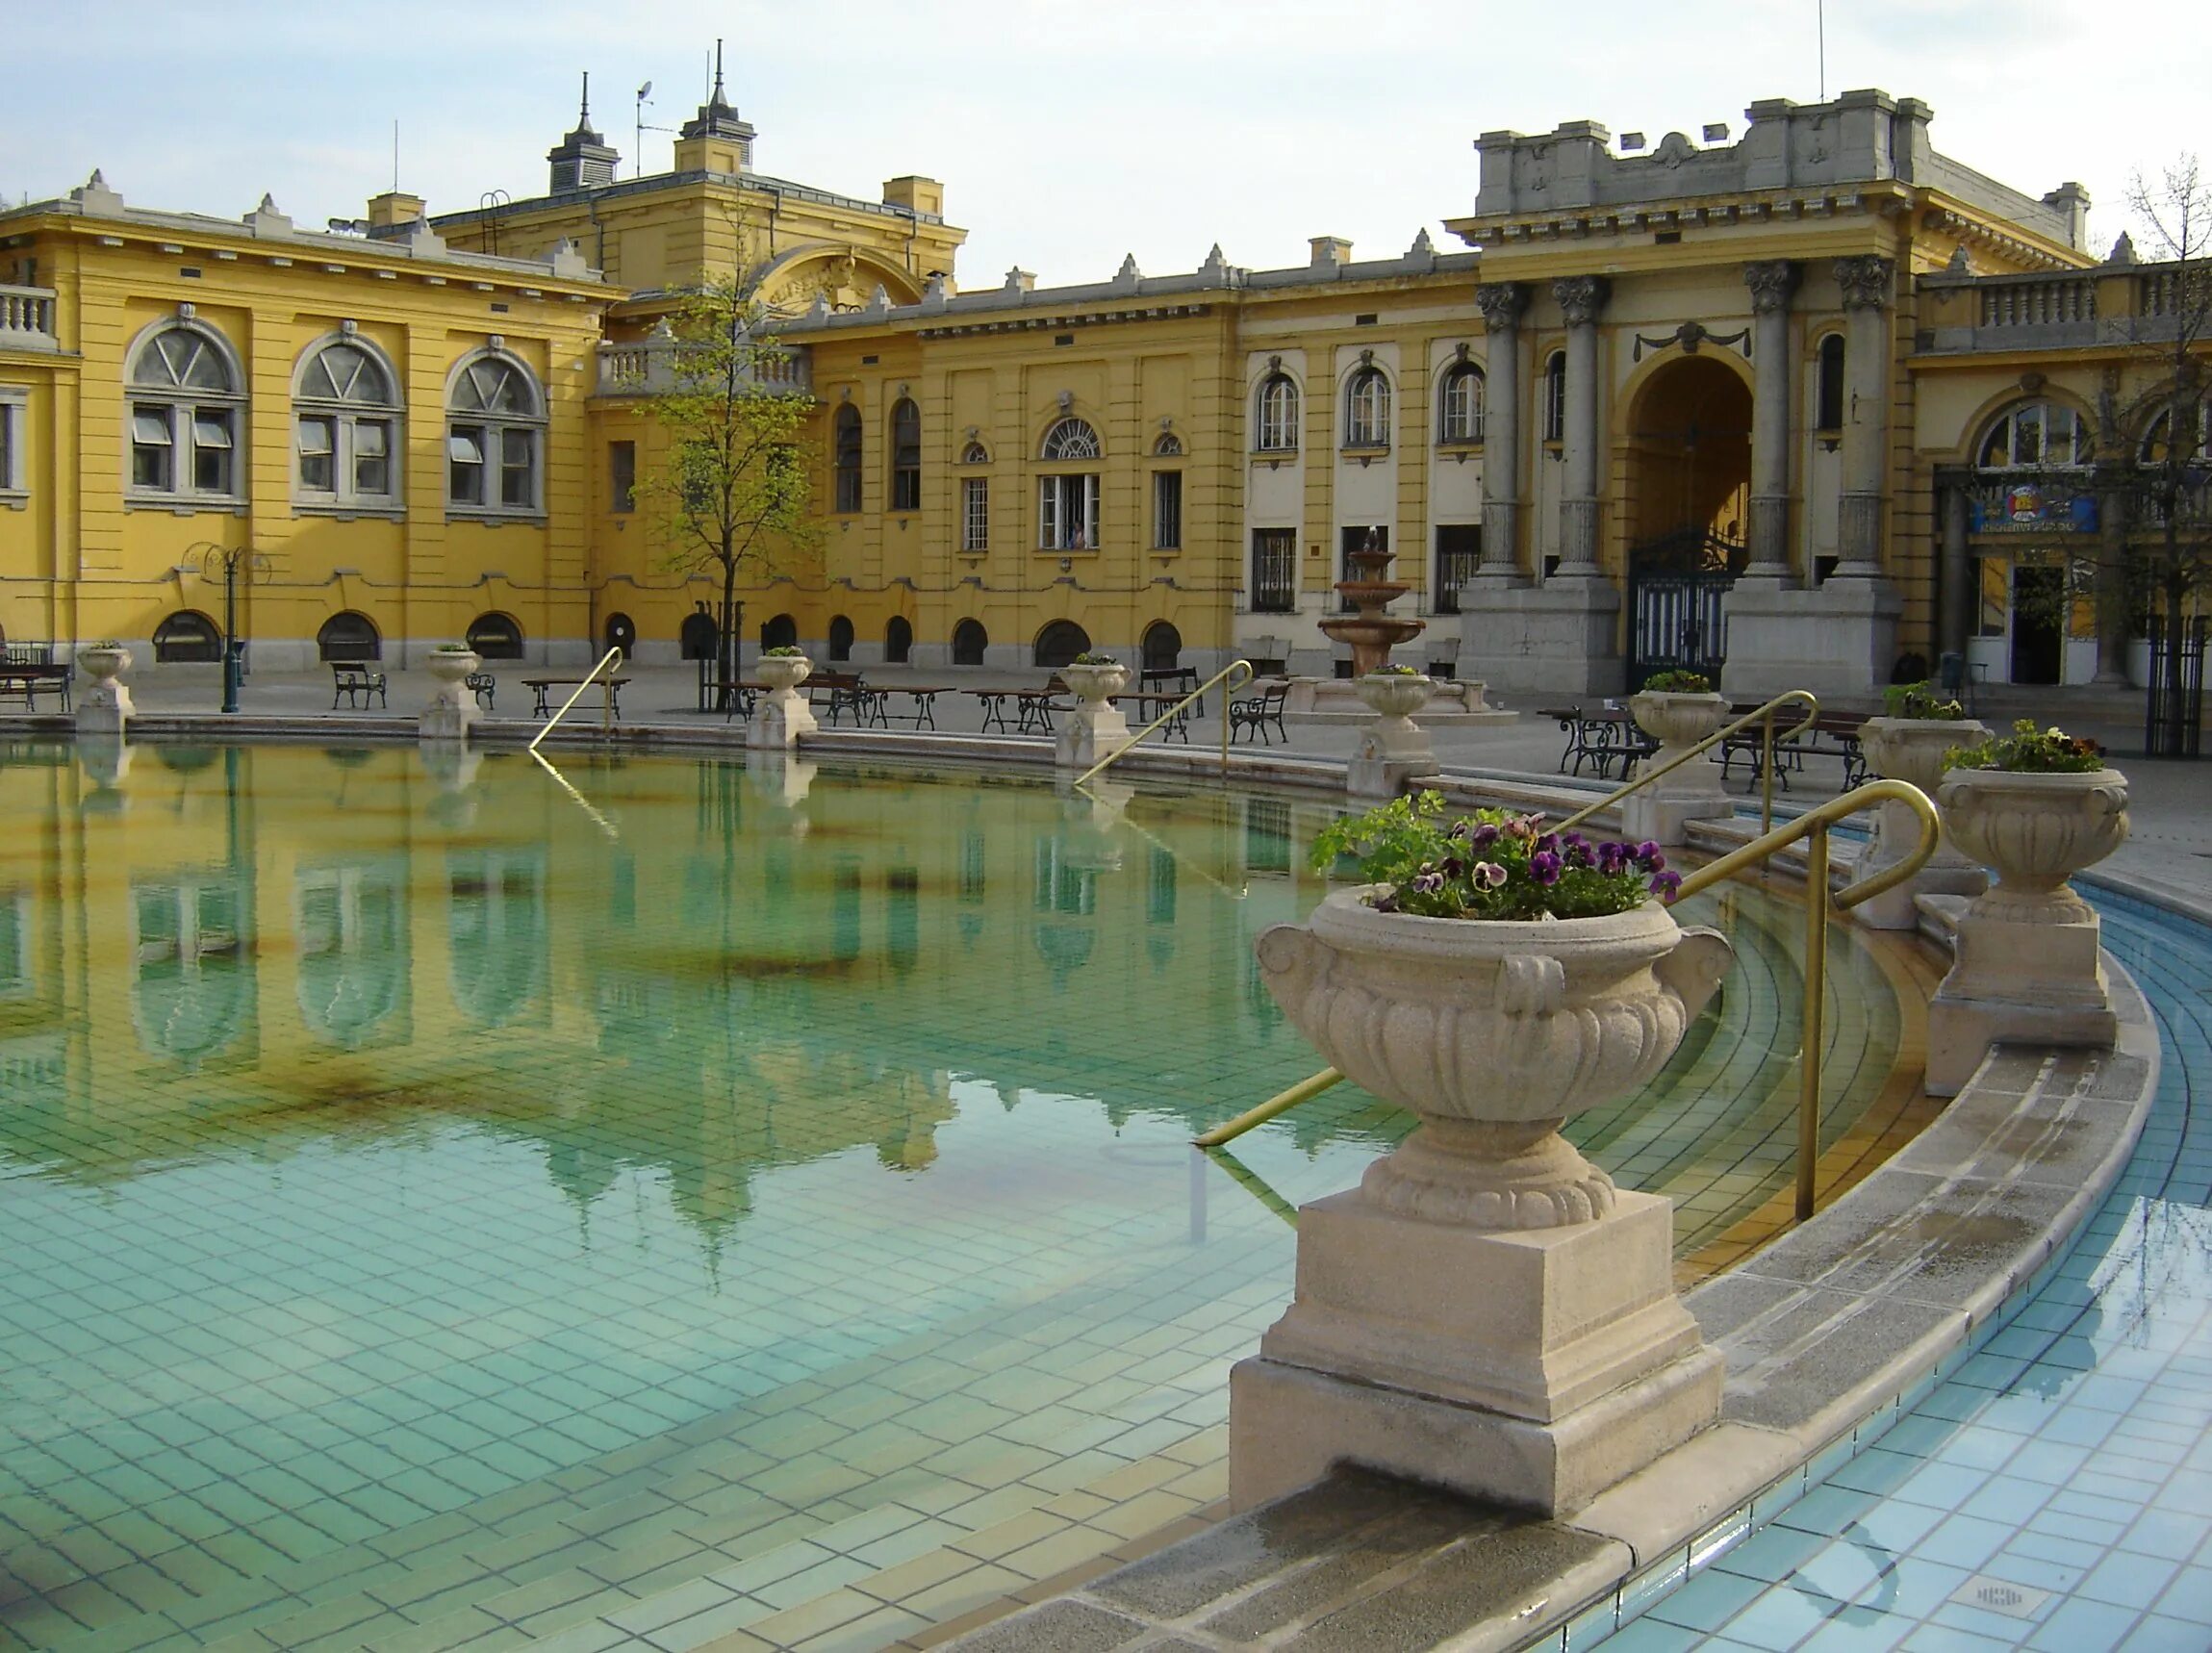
[
  {"x": 465, "y": 465},
  {"x": 11, "y": 461},
  {"x": 371, "y": 457},
  {"x": 317, "y": 456},
  {"x": 1068, "y": 513},
  {"x": 518, "y": 452},
  {"x": 153, "y": 449},
  {"x": 1555, "y": 397},
  {"x": 1167, "y": 510},
  {"x": 907, "y": 486},
  {"x": 1993, "y": 583},
  {"x": 622, "y": 475},
  {"x": 975, "y": 512},
  {"x": 210, "y": 450},
  {"x": 1274, "y": 570},
  {"x": 1459, "y": 552}
]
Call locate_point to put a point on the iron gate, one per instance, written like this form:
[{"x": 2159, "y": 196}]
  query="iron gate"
[
  {"x": 1677, "y": 604},
  {"x": 2173, "y": 717}
]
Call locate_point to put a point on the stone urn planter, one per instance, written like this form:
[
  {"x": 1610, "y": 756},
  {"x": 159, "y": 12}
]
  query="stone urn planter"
[
  {"x": 1392, "y": 750},
  {"x": 453, "y": 707},
  {"x": 2027, "y": 961},
  {"x": 1096, "y": 728},
  {"x": 1912, "y": 750},
  {"x": 1486, "y": 1310},
  {"x": 1663, "y": 810},
  {"x": 781, "y": 716},
  {"x": 105, "y": 705}
]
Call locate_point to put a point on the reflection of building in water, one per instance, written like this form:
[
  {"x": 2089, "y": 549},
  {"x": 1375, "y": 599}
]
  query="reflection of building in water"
[
  {"x": 354, "y": 968},
  {"x": 497, "y": 913},
  {"x": 192, "y": 993}
]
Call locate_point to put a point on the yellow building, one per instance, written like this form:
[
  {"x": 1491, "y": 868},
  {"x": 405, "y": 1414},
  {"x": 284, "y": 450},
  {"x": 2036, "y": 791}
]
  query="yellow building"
[{"x": 1724, "y": 403}]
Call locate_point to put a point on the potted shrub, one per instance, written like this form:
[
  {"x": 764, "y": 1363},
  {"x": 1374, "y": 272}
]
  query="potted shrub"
[
  {"x": 2035, "y": 806},
  {"x": 1097, "y": 728},
  {"x": 1677, "y": 709},
  {"x": 782, "y": 717},
  {"x": 1095, "y": 678},
  {"x": 452, "y": 663},
  {"x": 105, "y": 660},
  {"x": 1494, "y": 977},
  {"x": 1395, "y": 692},
  {"x": 1908, "y": 742}
]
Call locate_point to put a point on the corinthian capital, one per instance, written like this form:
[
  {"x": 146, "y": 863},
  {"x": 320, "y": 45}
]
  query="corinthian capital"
[
  {"x": 1501, "y": 303},
  {"x": 1581, "y": 298},
  {"x": 1864, "y": 281},
  {"x": 1771, "y": 283}
]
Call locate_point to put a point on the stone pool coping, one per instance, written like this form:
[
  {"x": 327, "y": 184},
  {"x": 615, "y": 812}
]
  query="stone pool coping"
[{"x": 1831, "y": 1334}]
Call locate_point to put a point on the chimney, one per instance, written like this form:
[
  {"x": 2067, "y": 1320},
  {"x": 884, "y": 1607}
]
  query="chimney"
[
  {"x": 915, "y": 193},
  {"x": 1330, "y": 251},
  {"x": 394, "y": 210}
]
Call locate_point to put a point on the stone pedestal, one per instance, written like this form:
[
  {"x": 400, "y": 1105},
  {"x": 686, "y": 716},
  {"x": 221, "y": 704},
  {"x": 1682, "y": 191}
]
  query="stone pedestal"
[
  {"x": 1095, "y": 730},
  {"x": 104, "y": 704},
  {"x": 453, "y": 707},
  {"x": 1551, "y": 639},
  {"x": 1536, "y": 1366},
  {"x": 1838, "y": 638},
  {"x": 781, "y": 716},
  {"x": 1393, "y": 751},
  {"x": 106, "y": 761},
  {"x": 1663, "y": 810},
  {"x": 1912, "y": 750}
]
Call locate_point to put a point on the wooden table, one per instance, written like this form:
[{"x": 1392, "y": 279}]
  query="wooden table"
[{"x": 545, "y": 687}]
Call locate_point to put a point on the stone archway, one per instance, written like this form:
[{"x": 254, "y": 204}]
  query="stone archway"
[{"x": 1689, "y": 452}]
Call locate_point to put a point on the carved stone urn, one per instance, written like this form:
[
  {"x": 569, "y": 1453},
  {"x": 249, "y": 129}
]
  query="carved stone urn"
[
  {"x": 1486, "y": 1310},
  {"x": 1392, "y": 750},
  {"x": 452, "y": 708},
  {"x": 781, "y": 716},
  {"x": 105, "y": 706},
  {"x": 1912, "y": 750},
  {"x": 2026, "y": 962},
  {"x": 1096, "y": 728},
  {"x": 1663, "y": 810}
]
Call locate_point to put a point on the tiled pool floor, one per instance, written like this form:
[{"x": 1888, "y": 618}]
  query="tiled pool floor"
[{"x": 2055, "y": 1492}]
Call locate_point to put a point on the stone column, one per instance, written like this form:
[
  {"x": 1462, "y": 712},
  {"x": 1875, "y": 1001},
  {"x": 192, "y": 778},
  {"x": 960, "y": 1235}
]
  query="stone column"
[
  {"x": 1865, "y": 285},
  {"x": 1957, "y": 601},
  {"x": 1502, "y": 303},
  {"x": 1580, "y": 299},
  {"x": 1774, "y": 392}
]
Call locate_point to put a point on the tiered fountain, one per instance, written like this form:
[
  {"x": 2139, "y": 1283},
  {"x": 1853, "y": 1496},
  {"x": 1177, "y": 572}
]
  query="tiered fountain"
[{"x": 1372, "y": 634}]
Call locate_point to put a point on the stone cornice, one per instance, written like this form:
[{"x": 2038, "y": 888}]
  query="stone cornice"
[{"x": 1782, "y": 207}]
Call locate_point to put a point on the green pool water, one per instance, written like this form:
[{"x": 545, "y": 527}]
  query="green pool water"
[{"x": 711, "y": 1206}]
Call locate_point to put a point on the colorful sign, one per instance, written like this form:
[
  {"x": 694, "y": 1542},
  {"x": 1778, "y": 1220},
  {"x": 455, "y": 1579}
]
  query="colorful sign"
[{"x": 2030, "y": 508}]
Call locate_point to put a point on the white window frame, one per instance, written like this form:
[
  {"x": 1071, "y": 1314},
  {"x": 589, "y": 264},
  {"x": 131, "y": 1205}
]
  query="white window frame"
[
  {"x": 975, "y": 512},
  {"x": 355, "y": 424},
  {"x": 906, "y": 491},
  {"x": 14, "y": 415},
  {"x": 488, "y": 438},
  {"x": 1552, "y": 400},
  {"x": 1462, "y": 401},
  {"x": 2038, "y": 416},
  {"x": 162, "y": 410},
  {"x": 1167, "y": 510},
  {"x": 1068, "y": 512},
  {"x": 1367, "y": 408},
  {"x": 1275, "y": 415}
]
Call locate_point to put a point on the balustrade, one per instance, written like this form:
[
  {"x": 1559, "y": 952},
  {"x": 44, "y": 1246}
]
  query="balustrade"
[
  {"x": 27, "y": 318},
  {"x": 648, "y": 368}
]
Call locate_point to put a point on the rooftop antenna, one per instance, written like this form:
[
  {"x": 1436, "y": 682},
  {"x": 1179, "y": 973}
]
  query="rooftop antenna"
[
  {"x": 584, "y": 115},
  {"x": 715, "y": 95},
  {"x": 396, "y": 155},
  {"x": 638, "y": 133},
  {"x": 1821, "y": 27}
]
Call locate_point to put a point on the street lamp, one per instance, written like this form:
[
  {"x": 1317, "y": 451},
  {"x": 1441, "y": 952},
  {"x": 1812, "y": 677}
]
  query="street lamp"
[{"x": 230, "y": 564}]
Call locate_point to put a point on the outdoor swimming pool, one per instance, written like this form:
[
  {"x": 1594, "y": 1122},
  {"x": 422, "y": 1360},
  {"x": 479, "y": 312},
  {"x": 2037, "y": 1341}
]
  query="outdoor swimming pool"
[{"x": 441, "y": 1210}]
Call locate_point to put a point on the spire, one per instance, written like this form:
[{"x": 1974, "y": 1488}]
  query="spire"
[
  {"x": 718, "y": 118},
  {"x": 583, "y": 160}
]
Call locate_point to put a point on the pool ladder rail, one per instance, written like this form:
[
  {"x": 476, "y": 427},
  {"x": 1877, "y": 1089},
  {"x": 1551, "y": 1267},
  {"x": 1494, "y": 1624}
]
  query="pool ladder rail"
[
  {"x": 1820, "y": 905},
  {"x": 606, "y": 698}
]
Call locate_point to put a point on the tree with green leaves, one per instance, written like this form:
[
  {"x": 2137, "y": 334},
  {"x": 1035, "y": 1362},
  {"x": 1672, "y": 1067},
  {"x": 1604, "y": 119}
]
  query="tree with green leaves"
[{"x": 728, "y": 488}]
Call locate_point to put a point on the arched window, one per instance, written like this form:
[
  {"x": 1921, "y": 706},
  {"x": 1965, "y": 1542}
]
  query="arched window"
[
  {"x": 2158, "y": 442},
  {"x": 1162, "y": 646},
  {"x": 905, "y": 456},
  {"x": 841, "y": 639},
  {"x": 495, "y": 437},
  {"x": 1059, "y": 643},
  {"x": 1367, "y": 409},
  {"x": 1068, "y": 505},
  {"x": 621, "y": 631},
  {"x": 1071, "y": 438},
  {"x": 1555, "y": 397},
  {"x": 186, "y": 637},
  {"x": 1459, "y": 405},
  {"x": 898, "y": 641},
  {"x": 2036, "y": 436},
  {"x": 346, "y": 428},
  {"x": 1275, "y": 415},
  {"x": 969, "y": 641},
  {"x": 1168, "y": 447},
  {"x": 974, "y": 453},
  {"x": 779, "y": 632},
  {"x": 349, "y": 636},
  {"x": 696, "y": 637},
  {"x": 845, "y": 458},
  {"x": 495, "y": 636},
  {"x": 188, "y": 409},
  {"x": 1829, "y": 384}
]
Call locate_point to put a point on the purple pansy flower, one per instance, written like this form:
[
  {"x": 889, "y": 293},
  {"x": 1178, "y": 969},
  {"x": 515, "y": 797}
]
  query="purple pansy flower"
[
  {"x": 1667, "y": 886},
  {"x": 1482, "y": 836},
  {"x": 1544, "y": 867}
]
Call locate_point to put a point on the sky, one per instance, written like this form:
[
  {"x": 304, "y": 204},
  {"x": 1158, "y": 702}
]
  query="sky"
[{"x": 1065, "y": 135}]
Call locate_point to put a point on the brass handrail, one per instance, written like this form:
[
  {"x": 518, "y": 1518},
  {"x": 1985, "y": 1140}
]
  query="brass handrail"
[
  {"x": 1230, "y": 670},
  {"x": 589, "y": 808},
  {"x": 1764, "y": 715},
  {"x": 607, "y": 705},
  {"x": 1819, "y": 903}
]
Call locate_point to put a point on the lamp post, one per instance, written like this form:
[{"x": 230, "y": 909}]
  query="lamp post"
[{"x": 228, "y": 562}]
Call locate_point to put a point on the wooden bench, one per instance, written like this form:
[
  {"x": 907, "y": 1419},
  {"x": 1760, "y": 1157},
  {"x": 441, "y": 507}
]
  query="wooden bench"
[
  {"x": 1256, "y": 712},
  {"x": 353, "y": 682},
  {"x": 847, "y": 693},
  {"x": 1174, "y": 681},
  {"x": 31, "y": 681},
  {"x": 545, "y": 689}
]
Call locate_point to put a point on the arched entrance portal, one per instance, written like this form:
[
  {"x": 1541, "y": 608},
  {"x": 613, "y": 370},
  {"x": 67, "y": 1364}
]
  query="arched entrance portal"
[{"x": 1689, "y": 492}]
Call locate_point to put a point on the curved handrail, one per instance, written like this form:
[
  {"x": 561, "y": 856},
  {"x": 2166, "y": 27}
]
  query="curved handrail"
[
  {"x": 1819, "y": 903},
  {"x": 1762, "y": 715},
  {"x": 1228, "y": 689},
  {"x": 611, "y": 655}
]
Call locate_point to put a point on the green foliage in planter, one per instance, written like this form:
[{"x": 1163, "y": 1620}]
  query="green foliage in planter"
[
  {"x": 1492, "y": 864},
  {"x": 782, "y": 652},
  {"x": 1921, "y": 701},
  {"x": 1090, "y": 658},
  {"x": 1394, "y": 671},
  {"x": 1678, "y": 683},
  {"x": 2030, "y": 751}
]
